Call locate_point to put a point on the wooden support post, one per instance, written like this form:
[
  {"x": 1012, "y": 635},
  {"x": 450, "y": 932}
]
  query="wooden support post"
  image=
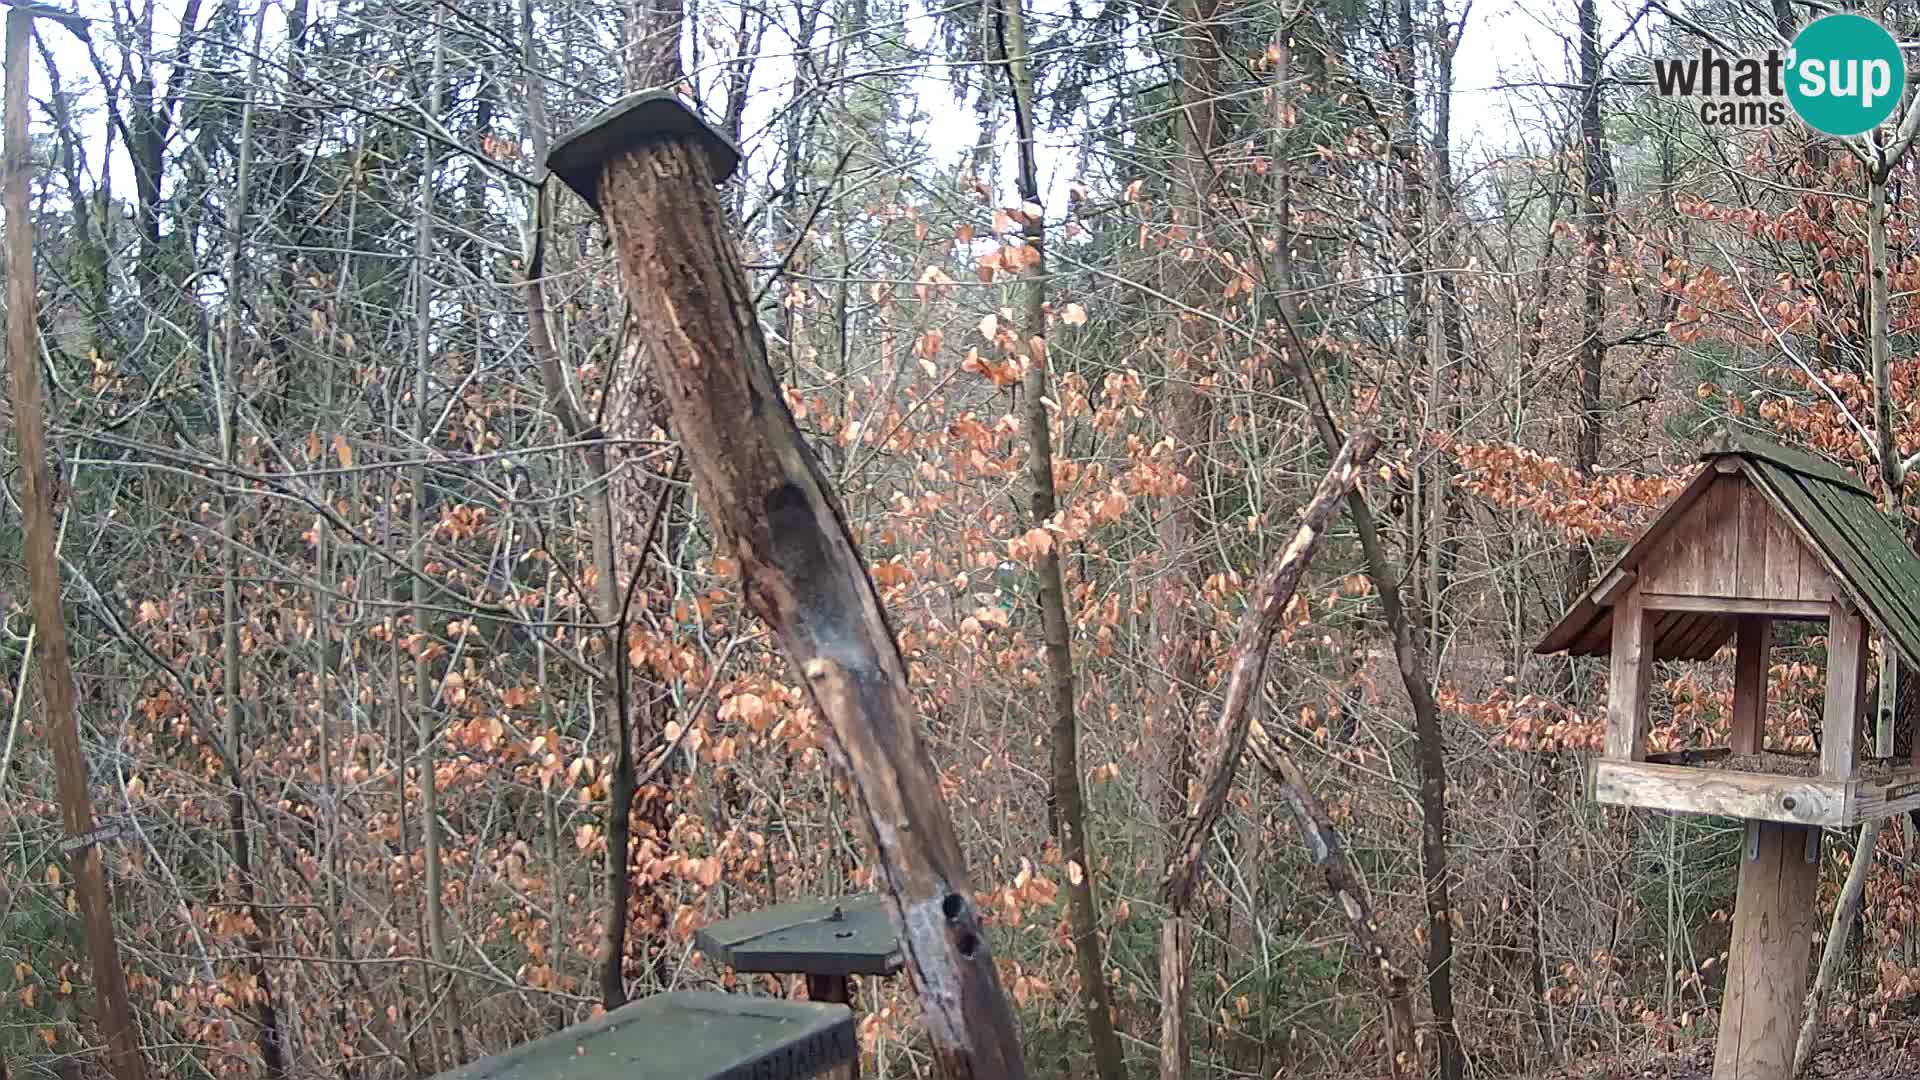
[
  {"x": 1753, "y": 643},
  {"x": 839, "y": 990},
  {"x": 126, "y": 1061},
  {"x": 1174, "y": 936},
  {"x": 1846, "y": 687},
  {"x": 1767, "y": 958},
  {"x": 1630, "y": 679},
  {"x": 1886, "y": 700},
  {"x": 652, "y": 167}
]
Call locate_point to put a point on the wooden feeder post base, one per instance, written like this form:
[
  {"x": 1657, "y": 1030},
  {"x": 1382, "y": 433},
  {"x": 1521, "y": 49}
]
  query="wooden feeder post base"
[
  {"x": 1767, "y": 958},
  {"x": 837, "y": 989}
]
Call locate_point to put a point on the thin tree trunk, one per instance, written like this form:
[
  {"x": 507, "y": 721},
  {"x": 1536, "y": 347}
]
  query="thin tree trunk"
[
  {"x": 268, "y": 1036},
  {"x": 1178, "y": 634},
  {"x": 425, "y": 728},
  {"x": 593, "y": 454},
  {"x": 1446, "y": 350},
  {"x": 634, "y": 703},
  {"x": 1879, "y": 340},
  {"x": 1593, "y": 346},
  {"x": 1070, "y": 812},
  {"x": 1430, "y": 745},
  {"x": 127, "y": 1061},
  {"x": 1836, "y": 947},
  {"x": 1429, "y": 739}
]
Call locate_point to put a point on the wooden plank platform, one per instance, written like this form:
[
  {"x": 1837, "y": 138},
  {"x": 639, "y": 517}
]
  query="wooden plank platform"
[
  {"x": 686, "y": 1035},
  {"x": 1796, "y": 800},
  {"x": 849, "y": 936}
]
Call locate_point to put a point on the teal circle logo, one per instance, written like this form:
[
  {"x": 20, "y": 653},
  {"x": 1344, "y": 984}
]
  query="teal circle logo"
[{"x": 1846, "y": 74}]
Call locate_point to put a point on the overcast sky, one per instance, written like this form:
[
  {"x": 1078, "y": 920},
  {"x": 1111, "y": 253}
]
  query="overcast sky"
[{"x": 1510, "y": 48}]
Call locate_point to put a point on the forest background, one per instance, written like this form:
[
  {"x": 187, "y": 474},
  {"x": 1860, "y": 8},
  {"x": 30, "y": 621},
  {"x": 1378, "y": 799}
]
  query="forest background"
[{"x": 393, "y": 613}]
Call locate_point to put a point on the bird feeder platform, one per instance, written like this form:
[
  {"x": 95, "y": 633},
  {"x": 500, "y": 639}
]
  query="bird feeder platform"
[
  {"x": 825, "y": 940},
  {"x": 1703, "y": 782},
  {"x": 686, "y": 1035},
  {"x": 1762, "y": 534}
]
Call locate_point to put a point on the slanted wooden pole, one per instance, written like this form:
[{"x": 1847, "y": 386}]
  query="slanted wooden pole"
[
  {"x": 43, "y": 571},
  {"x": 1767, "y": 958},
  {"x": 1835, "y": 949},
  {"x": 651, "y": 166},
  {"x": 1258, "y": 625}
]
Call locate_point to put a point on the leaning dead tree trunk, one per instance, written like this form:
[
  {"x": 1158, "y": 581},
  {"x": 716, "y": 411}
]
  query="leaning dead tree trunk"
[
  {"x": 651, "y": 166},
  {"x": 1257, "y": 628},
  {"x": 1330, "y": 856},
  {"x": 43, "y": 572}
]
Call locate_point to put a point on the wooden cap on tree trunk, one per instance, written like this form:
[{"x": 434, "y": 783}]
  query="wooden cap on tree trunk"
[{"x": 635, "y": 120}]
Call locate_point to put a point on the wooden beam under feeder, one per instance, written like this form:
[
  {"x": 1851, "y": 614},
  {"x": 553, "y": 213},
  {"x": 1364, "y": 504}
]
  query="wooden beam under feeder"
[
  {"x": 1761, "y": 534},
  {"x": 685, "y": 1035}
]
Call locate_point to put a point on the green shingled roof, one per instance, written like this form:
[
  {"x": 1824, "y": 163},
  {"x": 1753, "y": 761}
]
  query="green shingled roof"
[
  {"x": 1833, "y": 512},
  {"x": 1864, "y": 550}
]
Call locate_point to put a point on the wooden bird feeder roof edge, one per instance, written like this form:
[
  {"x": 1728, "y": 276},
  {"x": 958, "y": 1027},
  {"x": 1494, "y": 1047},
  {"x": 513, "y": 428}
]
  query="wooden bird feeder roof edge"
[
  {"x": 578, "y": 157},
  {"x": 1832, "y": 512}
]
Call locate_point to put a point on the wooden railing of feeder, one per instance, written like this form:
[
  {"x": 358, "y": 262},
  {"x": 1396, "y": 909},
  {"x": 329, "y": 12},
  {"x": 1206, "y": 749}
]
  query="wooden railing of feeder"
[
  {"x": 1761, "y": 535},
  {"x": 651, "y": 166}
]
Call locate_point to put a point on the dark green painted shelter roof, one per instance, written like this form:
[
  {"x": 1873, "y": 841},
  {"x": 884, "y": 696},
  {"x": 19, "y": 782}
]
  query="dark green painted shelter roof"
[
  {"x": 1831, "y": 510},
  {"x": 852, "y": 935},
  {"x": 685, "y": 1035}
]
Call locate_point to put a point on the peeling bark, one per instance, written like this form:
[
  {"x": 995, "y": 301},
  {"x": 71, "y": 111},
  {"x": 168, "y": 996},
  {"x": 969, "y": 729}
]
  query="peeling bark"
[{"x": 773, "y": 510}]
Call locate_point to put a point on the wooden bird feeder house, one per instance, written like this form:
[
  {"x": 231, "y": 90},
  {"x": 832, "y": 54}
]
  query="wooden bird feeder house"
[{"x": 1762, "y": 534}]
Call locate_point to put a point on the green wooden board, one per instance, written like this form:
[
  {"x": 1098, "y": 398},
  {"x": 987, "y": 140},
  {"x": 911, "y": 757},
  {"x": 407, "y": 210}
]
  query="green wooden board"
[
  {"x": 686, "y": 1035},
  {"x": 1863, "y": 549},
  {"x": 848, "y": 936}
]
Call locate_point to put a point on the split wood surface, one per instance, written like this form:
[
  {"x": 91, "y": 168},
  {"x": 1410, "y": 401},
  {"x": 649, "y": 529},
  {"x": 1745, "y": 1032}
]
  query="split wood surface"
[{"x": 773, "y": 510}]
